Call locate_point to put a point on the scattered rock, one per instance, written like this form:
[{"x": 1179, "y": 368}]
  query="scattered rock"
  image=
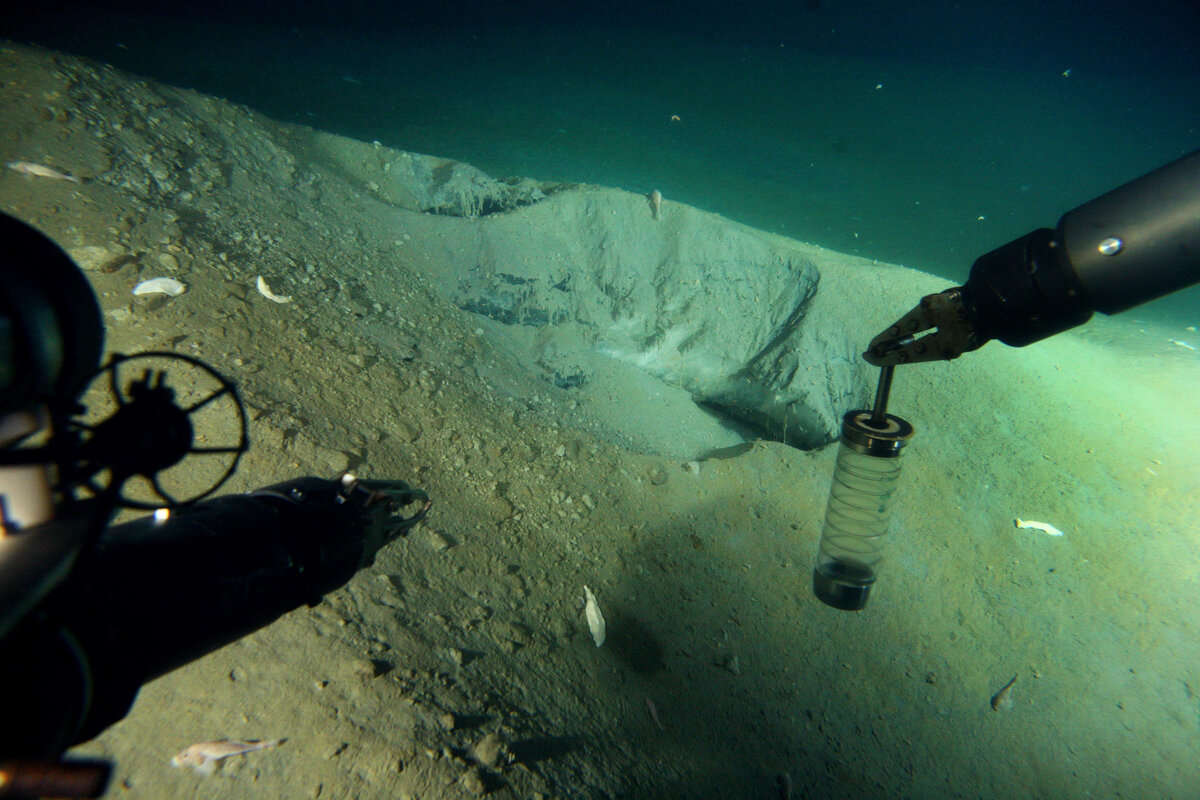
[
  {"x": 99, "y": 258},
  {"x": 406, "y": 431},
  {"x": 307, "y": 451},
  {"x": 473, "y": 781},
  {"x": 487, "y": 750},
  {"x": 365, "y": 669},
  {"x": 438, "y": 541}
]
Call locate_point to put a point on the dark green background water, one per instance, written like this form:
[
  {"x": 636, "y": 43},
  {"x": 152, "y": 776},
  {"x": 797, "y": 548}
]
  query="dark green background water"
[{"x": 921, "y": 133}]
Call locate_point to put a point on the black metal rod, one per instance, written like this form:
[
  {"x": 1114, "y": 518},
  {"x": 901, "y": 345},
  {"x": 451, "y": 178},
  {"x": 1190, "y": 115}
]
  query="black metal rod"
[{"x": 879, "y": 412}]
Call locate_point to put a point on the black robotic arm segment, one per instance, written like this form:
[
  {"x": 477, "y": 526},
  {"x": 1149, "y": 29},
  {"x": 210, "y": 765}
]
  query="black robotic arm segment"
[
  {"x": 1025, "y": 291},
  {"x": 1127, "y": 247},
  {"x": 154, "y": 594},
  {"x": 1140, "y": 241}
]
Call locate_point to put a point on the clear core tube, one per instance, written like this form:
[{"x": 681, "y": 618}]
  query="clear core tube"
[{"x": 859, "y": 509}]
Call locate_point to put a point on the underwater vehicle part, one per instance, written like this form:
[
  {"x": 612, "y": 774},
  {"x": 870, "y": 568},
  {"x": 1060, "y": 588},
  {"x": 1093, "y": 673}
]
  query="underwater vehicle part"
[
  {"x": 157, "y": 592},
  {"x": 860, "y": 502},
  {"x": 1127, "y": 247}
]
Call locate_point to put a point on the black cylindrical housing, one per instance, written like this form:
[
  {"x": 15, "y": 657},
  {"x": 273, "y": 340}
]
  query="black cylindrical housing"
[
  {"x": 153, "y": 596},
  {"x": 1127, "y": 247},
  {"x": 1140, "y": 241},
  {"x": 51, "y": 332},
  {"x": 1025, "y": 291}
]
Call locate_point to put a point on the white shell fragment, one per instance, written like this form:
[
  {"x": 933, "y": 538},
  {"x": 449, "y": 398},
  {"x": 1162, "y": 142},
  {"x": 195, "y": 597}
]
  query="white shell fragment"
[
  {"x": 266, "y": 292},
  {"x": 1044, "y": 527},
  {"x": 595, "y": 619},
  {"x": 167, "y": 286}
]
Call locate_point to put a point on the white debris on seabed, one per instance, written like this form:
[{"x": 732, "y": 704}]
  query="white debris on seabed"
[
  {"x": 266, "y": 292},
  {"x": 595, "y": 620},
  {"x": 1044, "y": 527},
  {"x": 167, "y": 286}
]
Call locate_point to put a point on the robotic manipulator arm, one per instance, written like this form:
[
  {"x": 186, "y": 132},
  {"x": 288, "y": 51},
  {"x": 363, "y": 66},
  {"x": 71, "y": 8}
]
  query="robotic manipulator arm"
[
  {"x": 1134, "y": 244},
  {"x": 89, "y": 611}
]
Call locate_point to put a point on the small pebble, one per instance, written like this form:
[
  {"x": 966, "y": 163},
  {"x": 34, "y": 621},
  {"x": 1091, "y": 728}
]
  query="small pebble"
[
  {"x": 97, "y": 258},
  {"x": 474, "y": 783},
  {"x": 364, "y": 668}
]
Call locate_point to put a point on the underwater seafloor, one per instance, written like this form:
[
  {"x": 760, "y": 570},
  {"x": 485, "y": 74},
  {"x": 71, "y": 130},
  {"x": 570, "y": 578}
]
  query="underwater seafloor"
[{"x": 460, "y": 664}]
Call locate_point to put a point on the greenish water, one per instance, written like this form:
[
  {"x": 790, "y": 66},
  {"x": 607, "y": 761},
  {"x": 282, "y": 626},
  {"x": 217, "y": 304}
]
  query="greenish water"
[{"x": 816, "y": 123}]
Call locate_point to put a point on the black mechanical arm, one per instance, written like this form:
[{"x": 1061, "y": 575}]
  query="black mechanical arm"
[{"x": 1134, "y": 244}]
